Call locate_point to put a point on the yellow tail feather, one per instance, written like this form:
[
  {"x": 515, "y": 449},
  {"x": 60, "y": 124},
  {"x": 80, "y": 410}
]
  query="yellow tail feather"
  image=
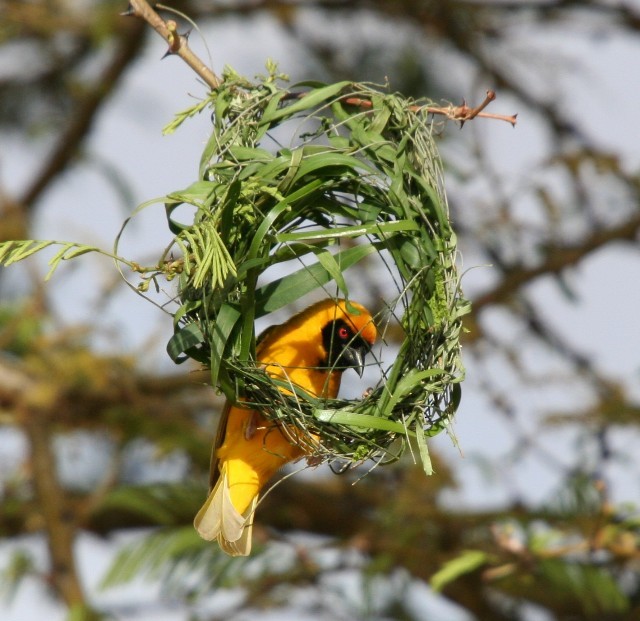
[{"x": 219, "y": 519}]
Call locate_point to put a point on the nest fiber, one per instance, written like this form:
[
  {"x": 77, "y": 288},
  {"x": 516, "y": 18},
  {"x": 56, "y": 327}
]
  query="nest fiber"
[{"x": 326, "y": 177}]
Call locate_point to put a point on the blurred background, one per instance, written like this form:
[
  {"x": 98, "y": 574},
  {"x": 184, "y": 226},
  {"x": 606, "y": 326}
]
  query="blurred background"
[{"x": 532, "y": 513}]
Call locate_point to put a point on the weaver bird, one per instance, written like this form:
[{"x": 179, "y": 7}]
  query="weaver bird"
[{"x": 311, "y": 350}]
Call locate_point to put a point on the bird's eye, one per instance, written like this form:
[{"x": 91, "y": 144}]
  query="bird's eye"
[{"x": 343, "y": 333}]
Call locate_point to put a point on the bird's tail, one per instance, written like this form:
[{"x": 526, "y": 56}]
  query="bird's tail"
[{"x": 219, "y": 519}]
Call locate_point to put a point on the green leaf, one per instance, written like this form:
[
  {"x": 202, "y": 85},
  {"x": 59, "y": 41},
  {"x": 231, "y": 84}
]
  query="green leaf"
[
  {"x": 338, "y": 232},
  {"x": 250, "y": 154},
  {"x": 14, "y": 251},
  {"x": 225, "y": 322},
  {"x": 364, "y": 421},
  {"x": 79, "y": 251},
  {"x": 456, "y": 396},
  {"x": 183, "y": 341},
  {"x": 406, "y": 384},
  {"x": 288, "y": 289},
  {"x": 182, "y": 116},
  {"x": 330, "y": 163},
  {"x": 18, "y": 250},
  {"x": 207, "y": 259},
  {"x": 468, "y": 561},
  {"x": 68, "y": 251},
  {"x": 296, "y": 157},
  {"x": 263, "y": 229},
  {"x": 328, "y": 261},
  {"x": 198, "y": 193},
  {"x": 305, "y": 102},
  {"x": 423, "y": 449}
]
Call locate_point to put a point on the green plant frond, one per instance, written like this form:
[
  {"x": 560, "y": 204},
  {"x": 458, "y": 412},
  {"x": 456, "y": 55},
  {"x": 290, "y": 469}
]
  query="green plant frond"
[
  {"x": 594, "y": 590},
  {"x": 207, "y": 259},
  {"x": 189, "y": 112},
  {"x": 161, "y": 504},
  {"x": 19, "y": 250},
  {"x": 174, "y": 556},
  {"x": 154, "y": 555},
  {"x": 14, "y": 251}
]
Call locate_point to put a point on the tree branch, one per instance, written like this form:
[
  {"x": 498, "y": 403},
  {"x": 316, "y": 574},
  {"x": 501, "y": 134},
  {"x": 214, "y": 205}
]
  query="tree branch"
[
  {"x": 52, "y": 504},
  {"x": 178, "y": 44},
  {"x": 557, "y": 259},
  {"x": 131, "y": 40},
  {"x": 460, "y": 113}
]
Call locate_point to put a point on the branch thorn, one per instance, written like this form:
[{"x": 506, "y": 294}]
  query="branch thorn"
[{"x": 130, "y": 12}]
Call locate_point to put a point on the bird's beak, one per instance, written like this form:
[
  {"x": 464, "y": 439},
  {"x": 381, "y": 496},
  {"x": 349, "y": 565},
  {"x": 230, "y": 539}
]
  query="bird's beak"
[{"x": 354, "y": 357}]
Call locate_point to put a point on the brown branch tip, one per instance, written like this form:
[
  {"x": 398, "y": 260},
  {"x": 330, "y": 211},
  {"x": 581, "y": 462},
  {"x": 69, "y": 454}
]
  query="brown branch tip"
[
  {"x": 462, "y": 113},
  {"x": 178, "y": 44}
]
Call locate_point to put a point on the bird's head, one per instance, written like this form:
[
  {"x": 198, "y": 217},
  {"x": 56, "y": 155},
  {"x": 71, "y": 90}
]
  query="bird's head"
[
  {"x": 347, "y": 336},
  {"x": 314, "y": 347}
]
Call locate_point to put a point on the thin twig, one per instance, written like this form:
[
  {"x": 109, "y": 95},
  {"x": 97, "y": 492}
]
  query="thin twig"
[
  {"x": 460, "y": 113},
  {"x": 178, "y": 43},
  {"x": 557, "y": 259}
]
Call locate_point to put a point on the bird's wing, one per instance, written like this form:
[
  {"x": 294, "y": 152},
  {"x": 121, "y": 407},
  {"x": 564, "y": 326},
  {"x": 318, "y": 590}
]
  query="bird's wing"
[{"x": 214, "y": 471}]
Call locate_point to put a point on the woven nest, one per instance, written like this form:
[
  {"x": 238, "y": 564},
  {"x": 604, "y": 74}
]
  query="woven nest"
[{"x": 360, "y": 178}]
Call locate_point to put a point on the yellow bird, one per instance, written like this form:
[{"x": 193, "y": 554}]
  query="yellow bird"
[{"x": 310, "y": 350}]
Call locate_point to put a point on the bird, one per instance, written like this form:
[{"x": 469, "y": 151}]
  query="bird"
[{"x": 310, "y": 351}]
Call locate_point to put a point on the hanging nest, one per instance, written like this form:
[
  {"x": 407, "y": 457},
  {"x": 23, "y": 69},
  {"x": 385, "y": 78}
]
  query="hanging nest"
[{"x": 359, "y": 177}]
